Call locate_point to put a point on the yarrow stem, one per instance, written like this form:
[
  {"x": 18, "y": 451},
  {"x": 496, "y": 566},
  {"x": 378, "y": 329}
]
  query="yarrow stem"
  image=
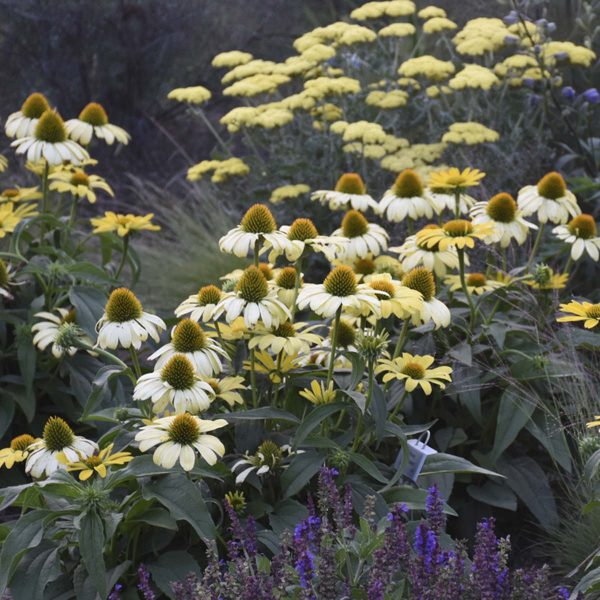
[
  {"x": 536, "y": 245},
  {"x": 334, "y": 333}
]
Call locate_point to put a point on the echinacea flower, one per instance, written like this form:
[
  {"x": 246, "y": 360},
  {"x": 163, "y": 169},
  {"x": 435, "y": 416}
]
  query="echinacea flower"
[
  {"x": 274, "y": 368},
  {"x": 268, "y": 459},
  {"x": 228, "y": 389},
  {"x": 350, "y": 192},
  {"x": 57, "y": 438},
  {"x": 178, "y": 438},
  {"x": 97, "y": 463},
  {"x": 78, "y": 183},
  {"x": 22, "y": 123},
  {"x": 550, "y": 200},
  {"x": 10, "y": 216},
  {"x": 93, "y": 122},
  {"x": 477, "y": 283},
  {"x": 285, "y": 285},
  {"x": 123, "y": 225},
  {"x": 339, "y": 291},
  {"x": 395, "y": 299},
  {"x": 432, "y": 309},
  {"x": 176, "y": 384},
  {"x": 415, "y": 372},
  {"x": 300, "y": 236},
  {"x": 458, "y": 233},
  {"x": 17, "y": 452},
  {"x": 200, "y": 306},
  {"x": 253, "y": 300},
  {"x": 318, "y": 393},
  {"x": 124, "y": 322},
  {"x": 581, "y": 232},
  {"x": 416, "y": 253},
  {"x": 49, "y": 141},
  {"x": 20, "y": 194},
  {"x": 449, "y": 187},
  {"x": 47, "y": 331},
  {"x": 188, "y": 339},
  {"x": 6, "y": 280},
  {"x": 580, "y": 311},
  {"x": 406, "y": 198},
  {"x": 504, "y": 214},
  {"x": 362, "y": 238},
  {"x": 289, "y": 338},
  {"x": 544, "y": 278},
  {"x": 345, "y": 342},
  {"x": 256, "y": 227}
]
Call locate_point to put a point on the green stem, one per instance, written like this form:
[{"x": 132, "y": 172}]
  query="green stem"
[
  {"x": 401, "y": 338},
  {"x": 72, "y": 215},
  {"x": 536, "y": 245},
  {"x": 137, "y": 369},
  {"x": 123, "y": 256},
  {"x": 334, "y": 334},
  {"x": 298, "y": 267},
  {"x": 463, "y": 282},
  {"x": 569, "y": 264},
  {"x": 214, "y": 132},
  {"x": 457, "y": 203},
  {"x": 256, "y": 251},
  {"x": 359, "y": 424},
  {"x": 399, "y": 405},
  {"x": 44, "y": 200},
  {"x": 253, "y": 378},
  {"x": 278, "y": 367}
]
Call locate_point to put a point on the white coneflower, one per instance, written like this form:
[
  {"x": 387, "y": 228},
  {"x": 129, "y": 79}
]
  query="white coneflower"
[
  {"x": 406, "y": 198},
  {"x": 179, "y": 438},
  {"x": 93, "y": 122},
  {"x": 58, "y": 438},
  {"x": 200, "y": 306},
  {"x": 256, "y": 227},
  {"x": 302, "y": 235},
  {"x": 290, "y": 338},
  {"x": 350, "y": 192},
  {"x": 285, "y": 285},
  {"x": 253, "y": 300},
  {"x": 550, "y": 200},
  {"x": 188, "y": 339},
  {"x": 582, "y": 233},
  {"x": 177, "y": 384},
  {"x": 125, "y": 324},
  {"x": 47, "y": 331},
  {"x": 22, "y": 123},
  {"x": 433, "y": 310},
  {"x": 268, "y": 460},
  {"x": 49, "y": 141},
  {"x": 414, "y": 253},
  {"x": 364, "y": 239},
  {"x": 6, "y": 280},
  {"x": 339, "y": 290},
  {"x": 503, "y": 212}
]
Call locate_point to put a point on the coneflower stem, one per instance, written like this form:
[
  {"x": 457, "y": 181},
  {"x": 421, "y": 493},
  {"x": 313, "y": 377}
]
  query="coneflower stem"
[
  {"x": 44, "y": 200},
  {"x": 401, "y": 338},
  {"x": 298, "y": 267},
  {"x": 359, "y": 424},
  {"x": 463, "y": 282},
  {"x": 334, "y": 334},
  {"x": 137, "y": 369},
  {"x": 256, "y": 251},
  {"x": 399, "y": 405},
  {"x": 124, "y": 253},
  {"x": 569, "y": 264},
  {"x": 253, "y": 378},
  {"x": 536, "y": 245},
  {"x": 457, "y": 203}
]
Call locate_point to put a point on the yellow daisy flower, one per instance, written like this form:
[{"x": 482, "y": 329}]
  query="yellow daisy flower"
[
  {"x": 415, "y": 372},
  {"x": 19, "y": 194},
  {"x": 595, "y": 423},
  {"x": 10, "y": 216},
  {"x": 318, "y": 393},
  {"x": 458, "y": 233},
  {"x": 581, "y": 311},
  {"x": 122, "y": 224},
  {"x": 550, "y": 281},
  {"x": 78, "y": 183},
  {"x": 454, "y": 179},
  {"x": 267, "y": 364},
  {"x": 228, "y": 389},
  {"x": 97, "y": 463},
  {"x": 17, "y": 452},
  {"x": 289, "y": 338},
  {"x": 477, "y": 283}
]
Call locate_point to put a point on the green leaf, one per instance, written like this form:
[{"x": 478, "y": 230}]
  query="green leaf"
[
  {"x": 41, "y": 567},
  {"x": 7, "y": 412},
  {"x": 261, "y": 413},
  {"x": 463, "y": 353},
  {"x": 286, "y": 515},
  {"x": 184, "y": 500},
  {"x": 313, "y": 419},
  {"x": 446, "y": 463},
  {"x": 414, "y": 498},
  {"x": 27, "y": 356},
  {"x": 170, "y": 567},
  {"x": 359, "y": 399},
  {"x": 102, "y": 379},
  {"x": 494, "y": 494},
  {"x": 368, "y": 466},
  {"x": 10, "y": 494},
  {"x": 89, "y": 304},
  {"x": 358, "y": 369},
  {"x": 143, "y": 466},
  {"x": 379, "y": 410},
  {"x": 514, "y": 413},
  {"x": 27, "y": 533},
  {"x": 300, "y": 472},
  {"x": 591, "y": 466},
  {"x": 548, "y": 430},
  {"x": 91, "y": 546},
  {"x": 527, "y": 479}
]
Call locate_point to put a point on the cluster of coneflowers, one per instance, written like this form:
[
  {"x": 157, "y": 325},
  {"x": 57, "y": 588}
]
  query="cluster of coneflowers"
[{"x": 372, "y": 293}]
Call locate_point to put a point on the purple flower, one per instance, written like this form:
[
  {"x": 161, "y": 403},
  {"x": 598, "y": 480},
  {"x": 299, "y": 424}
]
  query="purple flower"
[
  {"x": 568, "y": 93},
  {"x": 116, "y": 592},
  {"x": 144, "y": 583},
  {"x": 511, "y": 18},
  {"x": 434, "y": 507},
  {"x": 592, "y": 96}
]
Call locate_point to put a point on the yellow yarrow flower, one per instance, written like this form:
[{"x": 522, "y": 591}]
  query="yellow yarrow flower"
[
  {"x": 377, "y": 10},
  {"x": 96, "y": 463},
  {"x": 427, "y": 66},
  {"x": 474, "y": 77},
  {"x": 233, "y": 58},
  {"x": 256, "y": 84},
  {"x": 480, "y": 36},
  {"x": 437, "y": 24},
  {"x": 222, "y": 169},
  {"x": 397, "y": 30},
  {"x": 580, "y": 311},
  {"x": 123, "y": 225},
  {"x": 331, "y": 86},
  {"x": 470, "y": 133},
  {"x": 285, "y": 192},
  {"x": 431, "y": 12},
  {"x": 387, "y": 100},
  {"x": 192, "y": 95}
]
